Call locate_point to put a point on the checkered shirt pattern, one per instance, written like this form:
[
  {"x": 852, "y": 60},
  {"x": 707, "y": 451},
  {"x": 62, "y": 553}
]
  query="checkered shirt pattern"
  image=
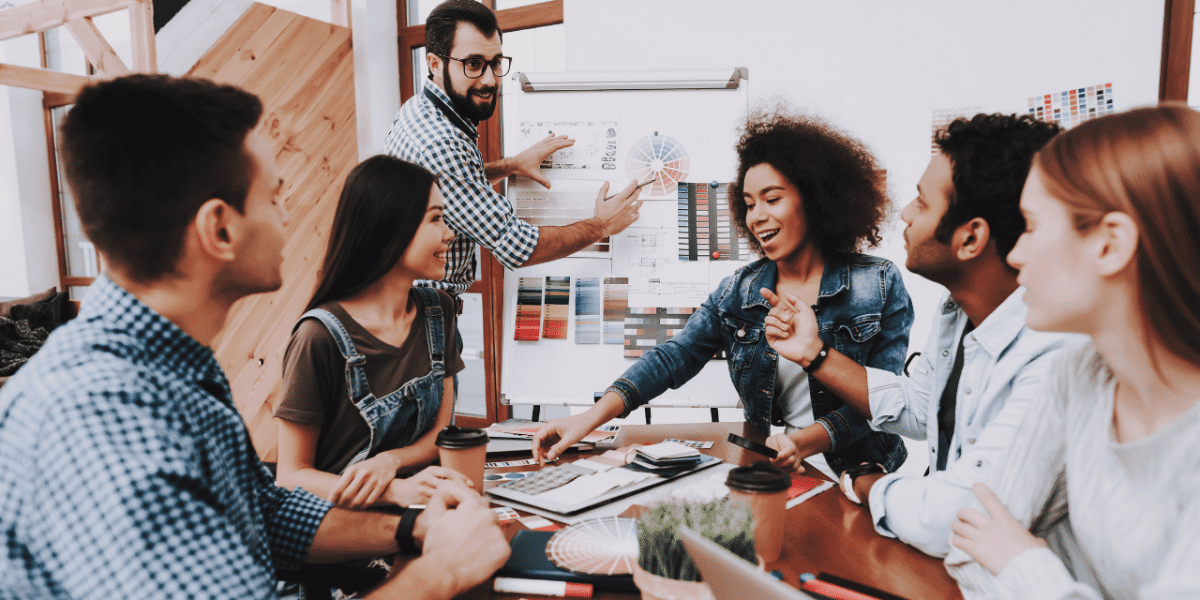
[
  {"x": 127, "y": 472},
  {"x": 422, "y": 134}
]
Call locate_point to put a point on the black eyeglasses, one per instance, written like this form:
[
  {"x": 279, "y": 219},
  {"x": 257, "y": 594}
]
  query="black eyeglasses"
[{"x": 473, "y": 67}]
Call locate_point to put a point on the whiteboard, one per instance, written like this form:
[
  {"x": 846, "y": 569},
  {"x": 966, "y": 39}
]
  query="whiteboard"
[{"x": 700, "y": 124}]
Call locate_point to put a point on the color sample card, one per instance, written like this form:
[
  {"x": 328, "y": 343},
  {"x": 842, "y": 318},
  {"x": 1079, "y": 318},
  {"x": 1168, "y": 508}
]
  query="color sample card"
[
  {"x": 1072, "y": 107},
  {"x": 558, "y": 299},
  {"x": 616, "y": 302},
  {"x": 705, "y": 229},
  {"x": 944, "y": 116},
  {"x": 589, "y": 317},
  {"x": 659, "y": 156},
  {"x": 648, "y": 327},
  {"x": 567, "y": 203},
  {"x": 529, "y": 309}
]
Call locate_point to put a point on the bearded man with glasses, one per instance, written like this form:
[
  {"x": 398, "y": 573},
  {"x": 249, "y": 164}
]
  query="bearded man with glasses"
[{"x": 437, "y": 129}]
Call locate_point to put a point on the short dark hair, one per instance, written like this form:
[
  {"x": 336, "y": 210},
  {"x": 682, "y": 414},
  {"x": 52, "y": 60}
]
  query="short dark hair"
[
  {"x": 442, "y": 24},
  {"x": 836, "y": 175},
  {"x": 382, "y": 205},
  {"x": 142, "y": 153},
  {"x": 990, "y": 157}
]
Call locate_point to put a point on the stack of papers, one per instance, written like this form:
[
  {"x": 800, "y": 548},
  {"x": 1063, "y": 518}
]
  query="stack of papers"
[{"x": 666, "y": 455}]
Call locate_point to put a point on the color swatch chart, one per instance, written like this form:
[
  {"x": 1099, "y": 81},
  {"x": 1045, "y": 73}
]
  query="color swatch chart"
[
  {"x": 943, "y": 117},
  {"x": 529, "y": 309},
  {"x": 616, "y": 302},
  {"x": 589, "y": 318},
  {"x": 648, "y": 327},
  {"x": 558, "y": 299},
  {"x": 539, "y": 206},
  {"x": 705, "y": 231},
  {"x": 1072, "y": 107},
  {"x": 661, "y": 157}
]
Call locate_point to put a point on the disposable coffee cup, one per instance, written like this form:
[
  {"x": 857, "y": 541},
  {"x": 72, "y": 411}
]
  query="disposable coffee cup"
[
  {"x": 764, "y": 488},
  {"x": 464, "y": 449}
]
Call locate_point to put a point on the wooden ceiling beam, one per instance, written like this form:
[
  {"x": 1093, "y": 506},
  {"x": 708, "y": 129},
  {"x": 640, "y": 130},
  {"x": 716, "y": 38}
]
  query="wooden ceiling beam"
[
  {"x": 42, "y": 79},
  {"x": 36, "y": 17},
  {"x": 97, "y": 49}
]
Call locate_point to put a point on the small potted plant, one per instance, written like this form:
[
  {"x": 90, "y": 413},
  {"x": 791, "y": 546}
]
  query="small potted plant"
[{"x": 665, "y": 571}]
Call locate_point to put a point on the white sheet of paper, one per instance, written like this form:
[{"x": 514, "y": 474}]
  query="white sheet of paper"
[{"x": 590, "y": 486}]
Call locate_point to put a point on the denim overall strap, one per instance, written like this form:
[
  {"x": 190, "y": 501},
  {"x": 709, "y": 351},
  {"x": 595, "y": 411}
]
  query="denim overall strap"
[
  {"x": 436, "y": 335},
  {"x": 356, "y": 371}
]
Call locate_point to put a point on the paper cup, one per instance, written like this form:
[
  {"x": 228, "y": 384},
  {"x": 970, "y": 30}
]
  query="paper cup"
[
  {"x": 764, "y": 489},
  {"x": 464, "y": 449}
]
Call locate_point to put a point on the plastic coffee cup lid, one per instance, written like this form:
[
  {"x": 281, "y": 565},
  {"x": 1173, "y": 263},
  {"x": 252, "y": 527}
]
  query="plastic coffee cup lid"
[
  {"x": 758, "y": 478},
  {"x": 452, "y": 437}
]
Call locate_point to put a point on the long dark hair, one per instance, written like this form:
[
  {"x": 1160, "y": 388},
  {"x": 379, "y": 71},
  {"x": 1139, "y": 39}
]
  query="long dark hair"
[{"x": 382, "y": 205}]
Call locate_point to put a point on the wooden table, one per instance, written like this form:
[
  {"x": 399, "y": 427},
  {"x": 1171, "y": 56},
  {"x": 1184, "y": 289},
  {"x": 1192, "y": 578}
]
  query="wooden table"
[{"x": 827, "y": 533}]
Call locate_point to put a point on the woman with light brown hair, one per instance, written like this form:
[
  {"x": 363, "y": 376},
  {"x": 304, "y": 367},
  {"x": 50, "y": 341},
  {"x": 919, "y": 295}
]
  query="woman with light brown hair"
[{"x": 1098, "y": 495}]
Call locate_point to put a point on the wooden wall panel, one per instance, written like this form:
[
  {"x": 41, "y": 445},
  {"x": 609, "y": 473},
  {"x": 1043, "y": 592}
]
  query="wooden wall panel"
[{"x": 303, "y": 70}]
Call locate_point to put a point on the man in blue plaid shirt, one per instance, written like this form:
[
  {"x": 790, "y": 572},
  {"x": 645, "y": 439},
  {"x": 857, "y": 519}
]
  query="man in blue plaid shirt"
[
  {"x": 437, "y": 130},
  {"x": 125, "y": 469}
]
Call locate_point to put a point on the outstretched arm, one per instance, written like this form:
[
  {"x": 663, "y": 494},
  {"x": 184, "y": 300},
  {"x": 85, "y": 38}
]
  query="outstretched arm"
[
  {"x": 612, "y": 217},
  {"x": 528, "y": 162}
]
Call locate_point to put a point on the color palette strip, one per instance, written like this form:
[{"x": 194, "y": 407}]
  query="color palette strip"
[
  {"x": 529, "y": 309},
  {"x": 647, "y": 327},
  {"x": 705, "y": 230},
  {"x": 1072, "y": 107},
  {"x": 558, "y": 299},
  {"x": 589, "y": 317},
  {"x": 616, "y": 302},
  {"x": 539, "y": 206}
]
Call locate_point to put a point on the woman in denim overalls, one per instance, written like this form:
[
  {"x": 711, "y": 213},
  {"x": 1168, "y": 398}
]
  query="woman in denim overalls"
[
  {"x": 388, "y": 232},
  {"x": 806, "y": 197}
]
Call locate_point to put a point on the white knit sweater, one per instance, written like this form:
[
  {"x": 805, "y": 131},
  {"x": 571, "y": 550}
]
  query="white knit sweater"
[{"x": 1133, "y": 508}]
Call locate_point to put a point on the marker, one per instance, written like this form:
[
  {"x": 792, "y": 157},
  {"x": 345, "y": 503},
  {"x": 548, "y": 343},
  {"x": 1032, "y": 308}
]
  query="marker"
[
  {"x": 542, "y": 587},
  {"x": 636, "y": 188},
  {"x": 809, "y": 582}
]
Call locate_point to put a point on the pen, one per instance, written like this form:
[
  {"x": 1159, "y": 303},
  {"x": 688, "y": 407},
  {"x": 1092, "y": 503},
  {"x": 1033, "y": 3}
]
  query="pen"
[
  {"x": 542, "y": 587},
  {"x": 638, "y": 187},
  {"x": 812, "y": 584}
]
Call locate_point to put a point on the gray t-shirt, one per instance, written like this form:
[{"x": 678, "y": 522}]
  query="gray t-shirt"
[{"x": 314, "y": 377}]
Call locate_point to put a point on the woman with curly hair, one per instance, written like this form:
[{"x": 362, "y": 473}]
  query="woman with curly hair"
[{"x": 807, "y": 199}]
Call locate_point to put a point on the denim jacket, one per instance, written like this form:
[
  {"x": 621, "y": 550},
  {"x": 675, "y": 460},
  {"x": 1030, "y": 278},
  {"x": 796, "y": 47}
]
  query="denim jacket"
[{"x": 863, "y": 310}]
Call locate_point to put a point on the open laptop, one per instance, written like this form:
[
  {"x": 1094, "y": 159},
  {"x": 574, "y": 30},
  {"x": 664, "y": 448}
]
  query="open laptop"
[{"x": 732, "y": 578}]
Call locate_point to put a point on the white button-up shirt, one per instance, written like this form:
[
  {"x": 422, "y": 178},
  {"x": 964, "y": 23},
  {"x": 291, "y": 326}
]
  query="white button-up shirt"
[{"x": 1004, "y": 365}]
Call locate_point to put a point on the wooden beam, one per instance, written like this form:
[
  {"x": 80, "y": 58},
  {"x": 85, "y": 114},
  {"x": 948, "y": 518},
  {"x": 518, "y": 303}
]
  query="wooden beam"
[
  {"x": 141, "y": 37},
  {"x": 36, "y": 17},
  {"x": 97, "y": 49},
  {"x": 42, "y": 79},
  {"x": 339, "y": 12},
  {"x": 56, "y": 99},
  {"x": 1178, "y": 18},
  {"x": 528, "y": 17}
]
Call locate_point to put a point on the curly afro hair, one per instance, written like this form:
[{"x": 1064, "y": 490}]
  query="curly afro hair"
[{"x": 836, "y": 175}]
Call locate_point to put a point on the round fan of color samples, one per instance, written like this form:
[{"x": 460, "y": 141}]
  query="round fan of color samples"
[
  {"x": 603, "y": 546},
  {"x": 661, "y": 157}
]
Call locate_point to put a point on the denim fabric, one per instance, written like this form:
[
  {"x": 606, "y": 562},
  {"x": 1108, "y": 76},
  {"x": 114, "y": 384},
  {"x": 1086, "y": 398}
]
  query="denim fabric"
[
  {"x": 399, "y": 418},
  {"x": 862, "y": 310}
]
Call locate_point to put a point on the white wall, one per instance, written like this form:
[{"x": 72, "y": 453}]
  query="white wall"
[{"x": 877, "y": 68}]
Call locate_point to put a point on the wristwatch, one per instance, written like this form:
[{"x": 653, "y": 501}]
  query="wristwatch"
[
  {"x": 404, "y": 532},
  {"x": 848, "y": 476}
]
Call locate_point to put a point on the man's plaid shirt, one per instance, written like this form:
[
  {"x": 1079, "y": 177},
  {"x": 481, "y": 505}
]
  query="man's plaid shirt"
[
  {"x": 126, "y": 471},
  {"x": 429, "y": 133}
]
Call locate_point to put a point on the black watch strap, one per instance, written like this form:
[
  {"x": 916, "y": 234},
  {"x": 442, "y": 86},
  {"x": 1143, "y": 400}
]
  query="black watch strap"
[
  {"x": 865, "y": 469},
  {"x": 815, "y": 363},
  {"x": 404, "y": 532}
]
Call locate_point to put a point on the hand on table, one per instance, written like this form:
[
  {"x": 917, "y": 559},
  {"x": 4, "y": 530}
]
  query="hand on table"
[
  {"x": 528, "y": 162},
  {"x": 994, "y": 539},
  {"x": 792, "y": 328},
  {"x": 421, "y": 486},
  {"x": 461, "y": 536},
  {"x": 619, "y": 212},
  {"x": 556, "y": 436},
  {"x": 789, "y": 456},
  {"x": 363, "y": 483}
]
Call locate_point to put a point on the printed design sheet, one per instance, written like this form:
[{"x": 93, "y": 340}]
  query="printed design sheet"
[
  {"x": 593, "y": 155},
  {"x": 566, "y": 202},
  {"x": 647, "y": 327}
]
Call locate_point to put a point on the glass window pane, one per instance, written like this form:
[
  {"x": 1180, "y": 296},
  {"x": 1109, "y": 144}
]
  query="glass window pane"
[
  {"x": 472, "y": 396},
  {"x": 505, "y": 4},
  {"x": 538, "y": 50},
  {"x": 419, "y": 69},
  {"x": 1194, "y": 71},
  {"x": 81, "y": 254}
]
